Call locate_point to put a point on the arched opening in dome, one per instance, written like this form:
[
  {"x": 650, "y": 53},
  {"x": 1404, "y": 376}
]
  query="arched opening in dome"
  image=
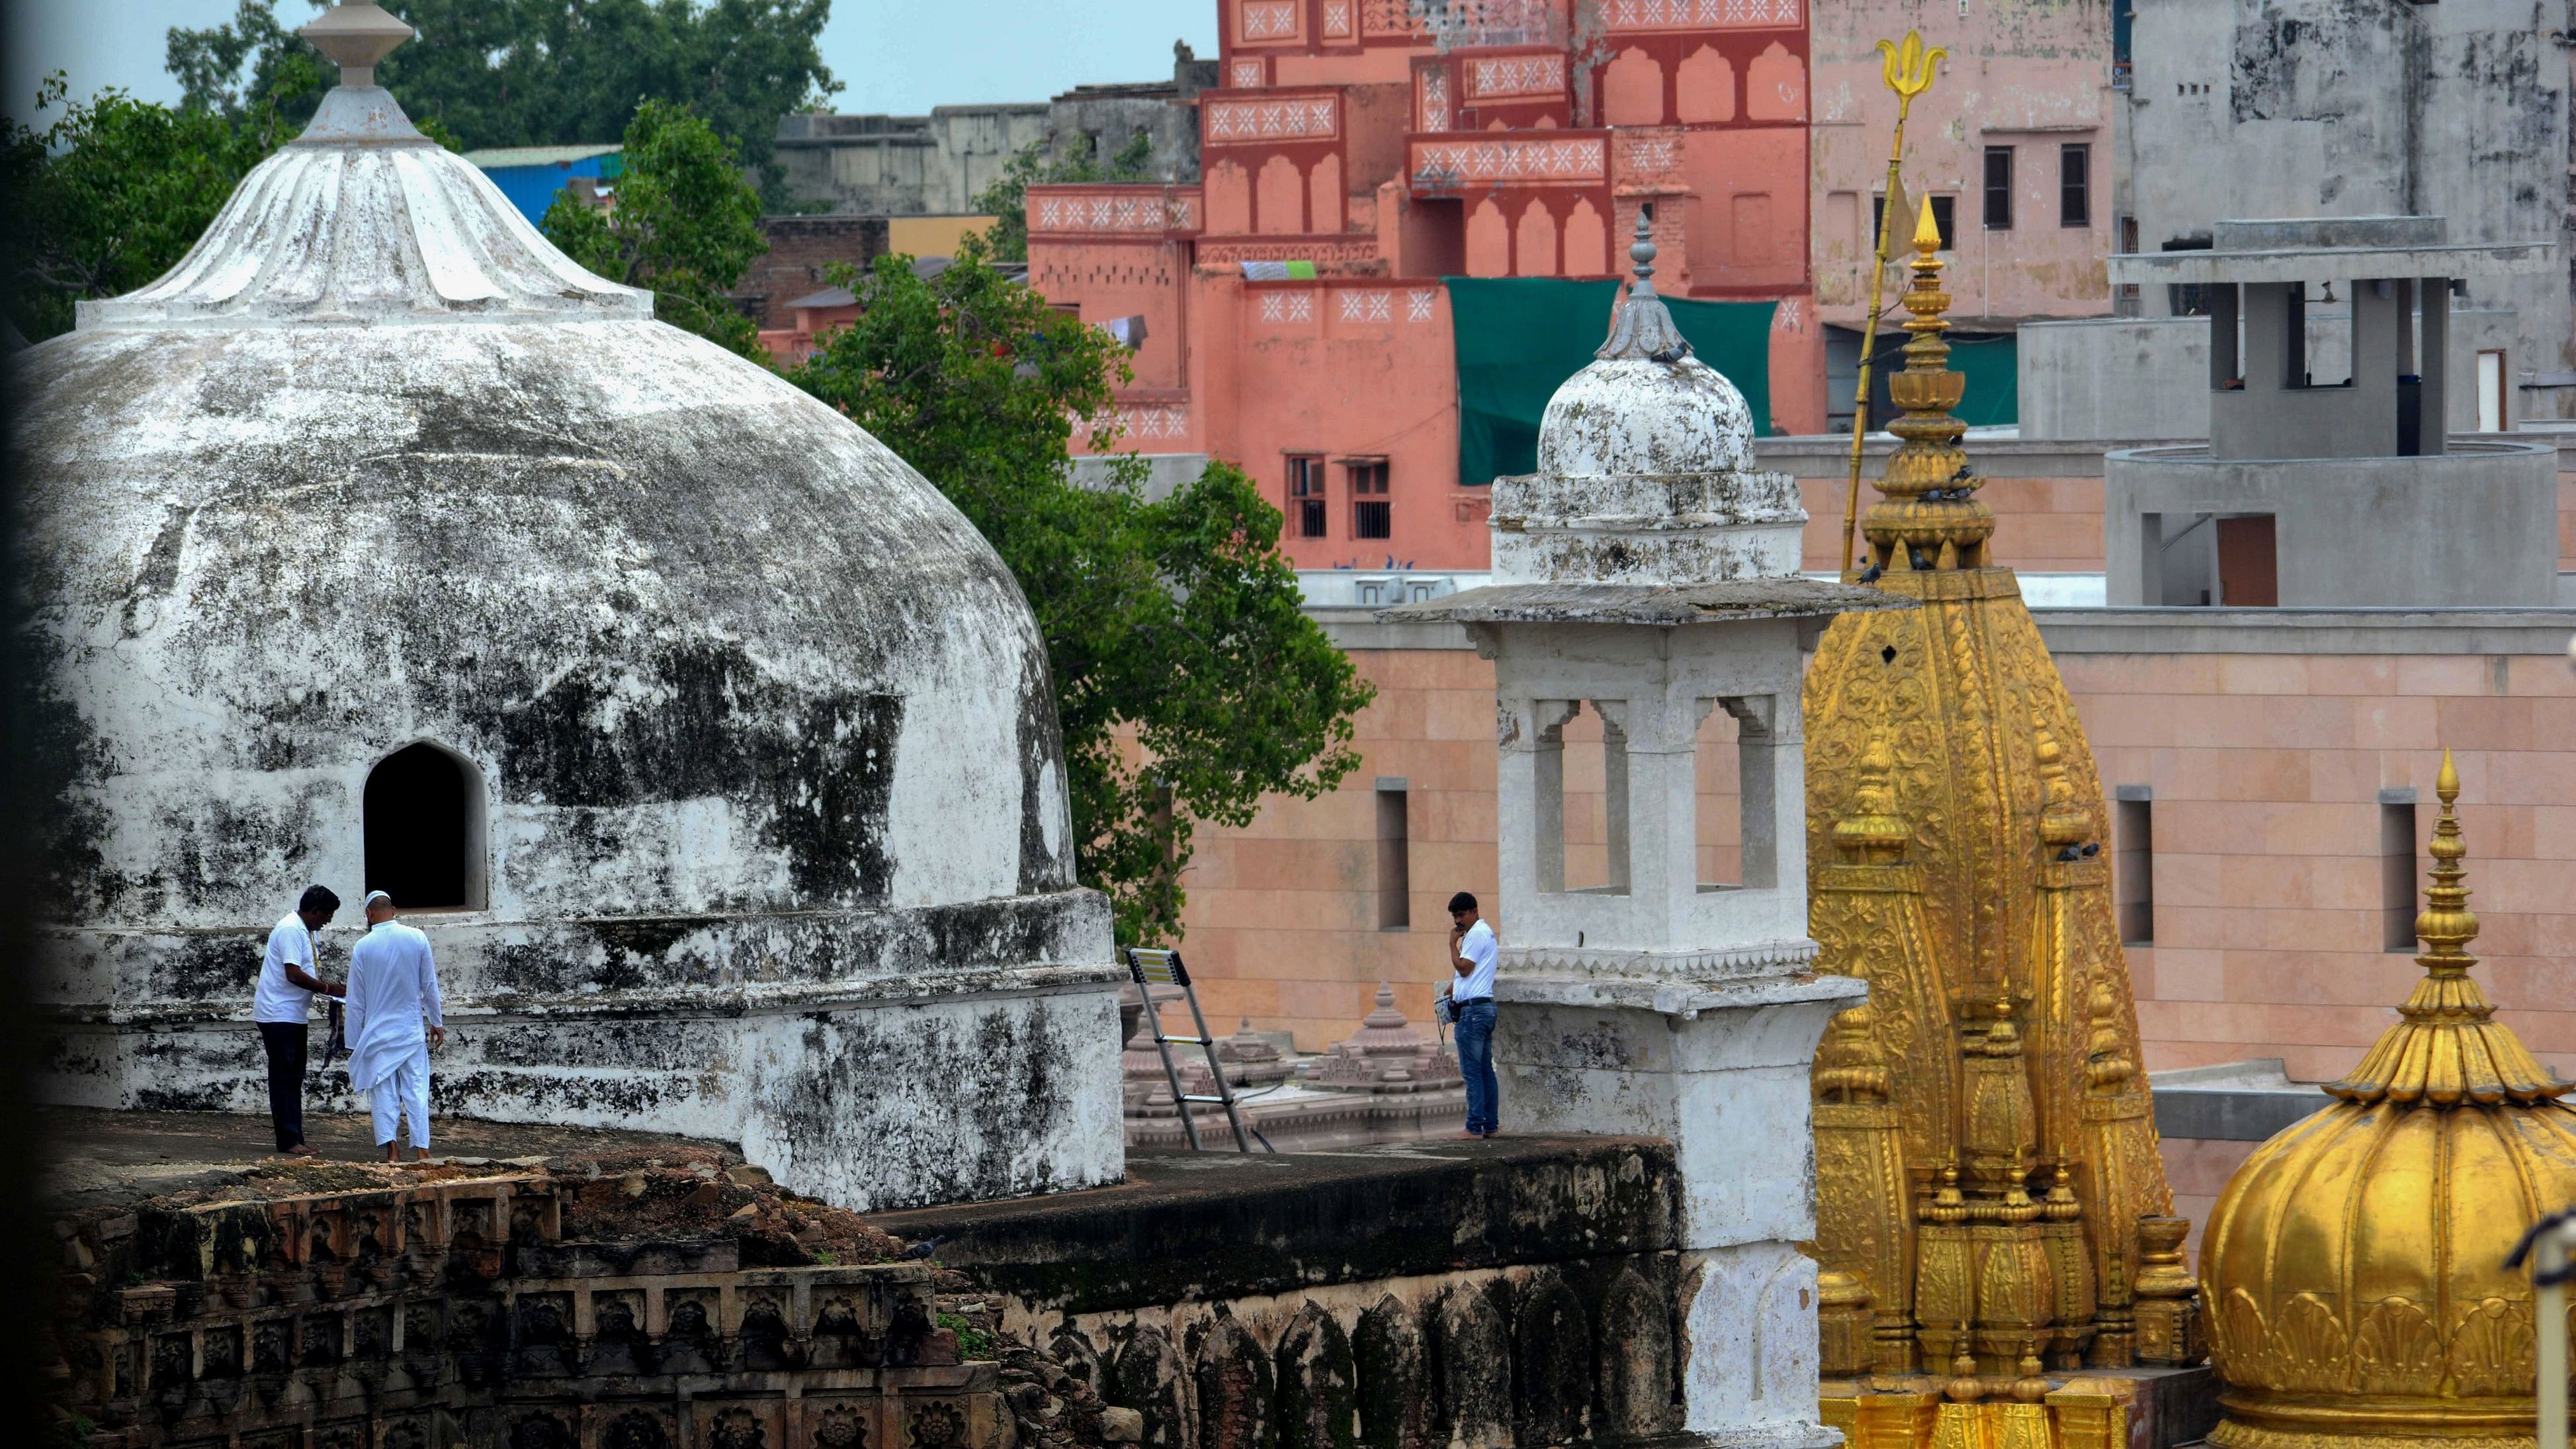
[{"x": 424, "y": 827}]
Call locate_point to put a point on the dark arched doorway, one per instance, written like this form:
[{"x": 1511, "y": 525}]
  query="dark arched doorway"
[{"x": 424, "y": 836}]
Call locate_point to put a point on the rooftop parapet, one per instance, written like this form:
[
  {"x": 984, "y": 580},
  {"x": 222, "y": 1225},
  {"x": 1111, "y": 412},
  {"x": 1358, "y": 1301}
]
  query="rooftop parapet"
[{"x": 2271, "y": 396}]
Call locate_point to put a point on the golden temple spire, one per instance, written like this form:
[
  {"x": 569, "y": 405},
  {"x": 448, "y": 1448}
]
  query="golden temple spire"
[
  {"x": 1930, "y": 518},
  {"x": 2447, "y": 1049}
]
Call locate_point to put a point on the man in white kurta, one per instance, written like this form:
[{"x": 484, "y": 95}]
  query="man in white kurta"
[{"x": 394, "y": 1019}]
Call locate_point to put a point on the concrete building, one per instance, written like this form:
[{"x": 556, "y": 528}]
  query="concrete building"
[
  {"x": 2332, "y": 108},
  {"x": 1648, "y": 573},
  {"x": 2338, "y": 450},
  {"x": 905, "y": 165},
  {"x": 378, "y": 544},
  {"x": 934, "y": 165}
]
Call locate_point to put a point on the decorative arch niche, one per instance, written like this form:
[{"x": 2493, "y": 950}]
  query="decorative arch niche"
[{"x": 423, "y": 811}]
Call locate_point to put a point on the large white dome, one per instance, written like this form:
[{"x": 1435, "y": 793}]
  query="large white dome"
[{"x": 745, "y": 723}]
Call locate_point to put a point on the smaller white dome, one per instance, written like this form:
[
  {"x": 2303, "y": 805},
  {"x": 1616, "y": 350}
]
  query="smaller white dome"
[{"x": 1636, "y": 415}]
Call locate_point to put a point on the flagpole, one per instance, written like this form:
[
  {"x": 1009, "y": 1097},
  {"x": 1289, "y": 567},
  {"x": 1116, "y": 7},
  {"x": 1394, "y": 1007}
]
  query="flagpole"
[{"x": 1907, "y": 69}]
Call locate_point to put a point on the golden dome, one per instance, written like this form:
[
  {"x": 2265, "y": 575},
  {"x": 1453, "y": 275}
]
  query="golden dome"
[{"x": 2354, "y": 1269}]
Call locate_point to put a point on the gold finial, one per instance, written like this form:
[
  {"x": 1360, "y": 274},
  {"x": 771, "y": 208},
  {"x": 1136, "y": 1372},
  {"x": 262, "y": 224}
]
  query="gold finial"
[
  {"x": 2032, "y": 1386},
  {"x": 1874, "y": 834},
  {"x": 1930, "y": 518},
  {"x": 1907, "y": 67},
  {"x": 2003, "y": 1039},
  {"x": 2107, "y": 1058},
  {"x": 2062, "y": 823},
  {"x": 1964, "y": 1386},
  {"x": 1849, "y": 1067},
  {"x": 2447, "y": 925},
  {"x": 2061, "y": 1205},
  {"x": 2447, "y": 1048}
]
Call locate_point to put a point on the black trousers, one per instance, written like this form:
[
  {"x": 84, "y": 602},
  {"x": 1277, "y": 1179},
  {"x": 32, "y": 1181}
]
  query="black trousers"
[{"x": 284, "y": 1041}]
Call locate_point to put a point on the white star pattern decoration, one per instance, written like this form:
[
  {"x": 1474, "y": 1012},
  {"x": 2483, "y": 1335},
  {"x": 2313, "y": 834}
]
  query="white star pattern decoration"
[
  {"x": 1785, "y": 319},
  {"x": 1576, "y": 160},
  {"x": 1417, "y": 306},
  {"x": 1307, "y": 118},
  {"x": 1301, "y": 306},
  {"x": 1702, "y": 14},
  {"x": 1435, "y": 99},
  {"x": 1519, "y": 75},
  {"x": 1274, "y": 307},
  {"x": 1337, "y": 17},
  {"x": 1247, "y": 74},
  {"x": 1269, "y": 21}
]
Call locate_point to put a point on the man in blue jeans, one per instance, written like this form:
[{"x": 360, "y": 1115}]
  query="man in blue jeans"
[{"x": 1471, "y": 954}]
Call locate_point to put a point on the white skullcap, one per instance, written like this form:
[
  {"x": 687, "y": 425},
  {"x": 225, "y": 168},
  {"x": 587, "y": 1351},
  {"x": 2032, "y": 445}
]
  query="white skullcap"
[{"x": 369, "y": 903}]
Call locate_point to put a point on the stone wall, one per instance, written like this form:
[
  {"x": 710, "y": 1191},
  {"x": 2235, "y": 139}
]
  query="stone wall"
[
  {"x": 1522, "y": 1291},
  {"x": 434, "y": 1314}
]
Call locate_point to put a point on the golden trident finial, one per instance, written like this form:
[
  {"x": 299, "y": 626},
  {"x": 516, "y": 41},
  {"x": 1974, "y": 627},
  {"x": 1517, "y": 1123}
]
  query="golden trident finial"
[{"x": 1907, "y": 67}]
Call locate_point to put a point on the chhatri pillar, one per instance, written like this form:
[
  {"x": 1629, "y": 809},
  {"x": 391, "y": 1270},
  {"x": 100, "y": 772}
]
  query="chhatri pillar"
[{"x": 1647, "y": 573}]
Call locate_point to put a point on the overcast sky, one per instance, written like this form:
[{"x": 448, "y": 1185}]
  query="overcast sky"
[{"x": 892, "y": 55}]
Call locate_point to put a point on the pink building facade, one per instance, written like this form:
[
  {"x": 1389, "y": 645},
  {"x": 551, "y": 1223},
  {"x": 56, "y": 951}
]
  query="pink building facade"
[{"x": 1520, "y": 139}]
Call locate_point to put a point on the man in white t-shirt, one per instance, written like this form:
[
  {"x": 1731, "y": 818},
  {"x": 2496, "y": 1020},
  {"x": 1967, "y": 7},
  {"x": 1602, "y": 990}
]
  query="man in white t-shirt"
[
  {"x": 1472, "y": 950},
  {"x": 283, "y": 1008}
]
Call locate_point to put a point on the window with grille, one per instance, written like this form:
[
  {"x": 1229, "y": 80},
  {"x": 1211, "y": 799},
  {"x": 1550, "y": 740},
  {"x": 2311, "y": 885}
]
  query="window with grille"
[
  {"x": 1999, "y": 193},
  {"x": 2075, "y": 184},
  {"x": 1370, "y": 506},
  {"x": 1306, "y": 496}
]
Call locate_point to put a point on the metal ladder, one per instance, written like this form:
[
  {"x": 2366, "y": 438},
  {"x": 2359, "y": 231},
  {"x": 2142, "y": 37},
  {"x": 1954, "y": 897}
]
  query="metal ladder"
[{"x": 1163, "y": 968}]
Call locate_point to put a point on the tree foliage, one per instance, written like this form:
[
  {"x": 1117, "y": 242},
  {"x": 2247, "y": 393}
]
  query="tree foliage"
[
  {"x": 1188, "y": 682},
  {"x": 552, "y": 72},
  {"x": 684, "y": 227},
  {"x": 1007, "y": 199},
  {"x": 114, "y": 192}
]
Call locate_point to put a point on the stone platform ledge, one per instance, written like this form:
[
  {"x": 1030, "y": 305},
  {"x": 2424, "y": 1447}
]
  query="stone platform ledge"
[
  {"x": 1213, "y": 1226},
  {"x": 747, "y": 999},
  {"x": 96, "y": 1157},
  {"x": 1684, "y": 999}
]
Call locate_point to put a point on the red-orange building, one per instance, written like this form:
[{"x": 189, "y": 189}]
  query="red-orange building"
[{"x": 1356, "y": 155}]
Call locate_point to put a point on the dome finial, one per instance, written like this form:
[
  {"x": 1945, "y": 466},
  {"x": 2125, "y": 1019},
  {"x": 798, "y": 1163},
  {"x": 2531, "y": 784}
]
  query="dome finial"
[
  {"x": 1642, "y": 328},
  {"x": 1929, "y": 517},
  {"x": 2447, "y": 1049},
  {"x": 355, "y": 37}
]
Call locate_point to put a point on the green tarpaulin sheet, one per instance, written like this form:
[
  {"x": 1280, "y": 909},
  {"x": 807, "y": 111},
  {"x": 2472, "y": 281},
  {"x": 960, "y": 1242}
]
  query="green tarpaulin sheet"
[
  {"x": 1520, "y": 338},
  {"x": 1993, "y": 398}
]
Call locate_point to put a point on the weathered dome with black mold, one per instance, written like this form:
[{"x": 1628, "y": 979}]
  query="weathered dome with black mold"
[
  {"x": 757, "y": 781},
  {"x": 1645, "y": 469}
]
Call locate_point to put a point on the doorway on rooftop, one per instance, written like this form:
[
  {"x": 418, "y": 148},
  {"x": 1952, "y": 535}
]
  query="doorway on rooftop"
[{"x": 423, "y": 809}]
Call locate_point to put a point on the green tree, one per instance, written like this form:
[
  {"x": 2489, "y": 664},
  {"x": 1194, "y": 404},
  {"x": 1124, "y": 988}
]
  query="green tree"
[
  {"x": 556, "y": 72},
  {"x": 1188, "y": 681},
  {"x": 685, "y": 226},
  {"x": 1007, "y": 199},
  {"x": 114, "y": 192}
]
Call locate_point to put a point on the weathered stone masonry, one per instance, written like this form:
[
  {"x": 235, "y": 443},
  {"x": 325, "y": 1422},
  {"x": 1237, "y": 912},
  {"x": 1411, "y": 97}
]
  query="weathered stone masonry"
[
  {"x": 459, "y": 1313},
  {"x": 1518, "y": 1292}
]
